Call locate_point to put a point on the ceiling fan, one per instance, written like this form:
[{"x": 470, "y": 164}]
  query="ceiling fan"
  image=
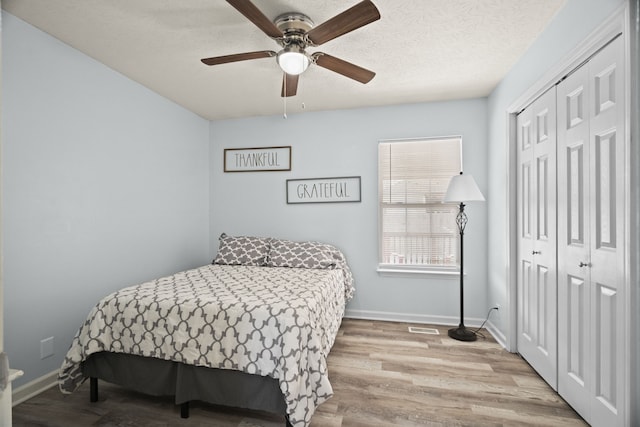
[{"x": 296, "y": 32}]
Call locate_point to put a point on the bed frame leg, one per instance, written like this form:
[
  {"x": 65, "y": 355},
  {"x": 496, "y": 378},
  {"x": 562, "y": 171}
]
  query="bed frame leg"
[
  {"x": 93, "y": 389},
  {"x": 184, "y": 410}
]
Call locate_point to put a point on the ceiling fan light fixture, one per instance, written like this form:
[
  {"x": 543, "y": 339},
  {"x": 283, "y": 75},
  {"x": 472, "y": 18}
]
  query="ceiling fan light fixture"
[{"x": 293, "y": 60}]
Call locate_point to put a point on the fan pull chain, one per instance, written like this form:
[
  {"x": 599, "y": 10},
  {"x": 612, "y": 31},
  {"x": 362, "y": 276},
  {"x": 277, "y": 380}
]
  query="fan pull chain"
[{"x": 284, "y": 85}]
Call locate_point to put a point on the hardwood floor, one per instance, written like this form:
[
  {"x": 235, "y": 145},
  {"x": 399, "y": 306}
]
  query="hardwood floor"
[{"x": 382, "y": 375}]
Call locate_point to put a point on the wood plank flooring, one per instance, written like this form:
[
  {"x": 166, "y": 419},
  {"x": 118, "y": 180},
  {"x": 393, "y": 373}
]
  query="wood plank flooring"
[{"x": 382, "y": 375}]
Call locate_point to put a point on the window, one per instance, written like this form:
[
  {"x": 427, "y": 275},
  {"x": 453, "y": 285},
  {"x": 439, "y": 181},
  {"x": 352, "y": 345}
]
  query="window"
[{"x": 417, "y": 231}]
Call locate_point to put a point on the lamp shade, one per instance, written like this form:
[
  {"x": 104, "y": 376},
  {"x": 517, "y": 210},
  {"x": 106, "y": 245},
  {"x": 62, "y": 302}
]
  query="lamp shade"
[{"x": 463, "y": 188}]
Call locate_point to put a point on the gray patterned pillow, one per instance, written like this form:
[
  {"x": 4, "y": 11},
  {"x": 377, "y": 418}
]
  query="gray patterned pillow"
[
  {"x": 242, "y": 250},
  {"x": 285, "y": 253}
]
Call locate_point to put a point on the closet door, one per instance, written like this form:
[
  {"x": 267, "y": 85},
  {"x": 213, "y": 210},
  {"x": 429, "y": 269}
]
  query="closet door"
[
  {"x": 537, "y": 273},
  {"x": 591, "y": 238}
]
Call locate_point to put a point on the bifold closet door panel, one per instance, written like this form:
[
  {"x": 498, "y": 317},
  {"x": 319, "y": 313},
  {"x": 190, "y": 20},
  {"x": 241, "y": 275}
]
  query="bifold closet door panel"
[
  {"x": 537, "y": 293},
  {"x": 607, "y": 254},
  {"x": 574, "y": 296}
]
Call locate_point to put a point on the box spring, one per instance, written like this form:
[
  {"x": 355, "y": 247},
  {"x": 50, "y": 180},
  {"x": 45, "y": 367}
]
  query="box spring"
[{"x": 187, "y": 383}]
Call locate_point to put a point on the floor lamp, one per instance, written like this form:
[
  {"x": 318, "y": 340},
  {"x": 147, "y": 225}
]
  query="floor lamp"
[{"x": 462, "y": 188}]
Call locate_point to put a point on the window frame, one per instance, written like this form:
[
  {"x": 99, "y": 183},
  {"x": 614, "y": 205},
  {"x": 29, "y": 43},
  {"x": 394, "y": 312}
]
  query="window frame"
[{"x": 413, "y": 270}]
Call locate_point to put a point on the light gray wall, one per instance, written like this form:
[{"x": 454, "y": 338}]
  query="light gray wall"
[
  {"x": 105, "y": 185},
  {"x": 576, "y": 20},
  {"x": 344, "y": 143}
]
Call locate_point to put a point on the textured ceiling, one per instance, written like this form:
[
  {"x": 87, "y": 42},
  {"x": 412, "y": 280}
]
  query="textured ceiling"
[{"x": 421, "y": 50}]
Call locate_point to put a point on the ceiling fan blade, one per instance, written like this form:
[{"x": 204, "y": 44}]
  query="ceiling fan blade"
[
  {"x": 253, "y": 14},
  {"x": 216, "y": 60},
  {"x": 343, "y": 67},
  {"x": 351, "y": 19},
  {"x": 289, "y": 85}
]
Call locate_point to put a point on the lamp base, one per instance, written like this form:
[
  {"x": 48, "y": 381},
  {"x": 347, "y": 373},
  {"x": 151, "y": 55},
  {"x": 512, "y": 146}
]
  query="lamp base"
[{"x": 461, "y": 333}]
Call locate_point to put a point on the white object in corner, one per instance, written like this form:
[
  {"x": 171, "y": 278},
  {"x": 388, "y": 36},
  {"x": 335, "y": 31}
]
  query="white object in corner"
[{"x": 5, "y": 399}]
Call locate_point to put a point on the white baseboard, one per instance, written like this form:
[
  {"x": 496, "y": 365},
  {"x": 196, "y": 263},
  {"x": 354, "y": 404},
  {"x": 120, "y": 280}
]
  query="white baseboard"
[
  {"x": 33, "y": 388},
  {"x": 497, "y": 335},
  {"x": 410, "y": 318},
  {"x": 426, "y": 319}
]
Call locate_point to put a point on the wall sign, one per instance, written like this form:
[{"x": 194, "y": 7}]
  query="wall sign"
[
  {"x": 257, "y": 159},
  {"x": 323, "y": 190}
]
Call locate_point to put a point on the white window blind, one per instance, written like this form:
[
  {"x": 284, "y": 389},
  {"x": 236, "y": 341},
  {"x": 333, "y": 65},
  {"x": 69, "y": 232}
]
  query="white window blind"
[{"x": 416, "y": 229}]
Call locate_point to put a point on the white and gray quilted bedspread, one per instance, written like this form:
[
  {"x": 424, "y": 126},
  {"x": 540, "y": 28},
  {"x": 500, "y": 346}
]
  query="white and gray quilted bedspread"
[{"x": 271, "y": 321}]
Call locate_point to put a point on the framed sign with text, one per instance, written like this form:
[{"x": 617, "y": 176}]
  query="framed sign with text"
[
  {"x": 262, "y": 159},
  {"x": 324, "y": 190}
]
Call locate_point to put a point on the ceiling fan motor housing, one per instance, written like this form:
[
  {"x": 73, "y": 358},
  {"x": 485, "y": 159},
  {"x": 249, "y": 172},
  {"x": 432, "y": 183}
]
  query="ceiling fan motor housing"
[{"x": 294, "y": 24}]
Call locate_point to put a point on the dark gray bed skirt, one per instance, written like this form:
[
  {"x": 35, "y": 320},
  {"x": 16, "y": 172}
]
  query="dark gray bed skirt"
[{"x": 187, "y": 383}]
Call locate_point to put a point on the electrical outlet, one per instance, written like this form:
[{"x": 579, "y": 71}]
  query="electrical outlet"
[
  {"x": 497, "y": 306},
  {"x": 46, "y": 348}
]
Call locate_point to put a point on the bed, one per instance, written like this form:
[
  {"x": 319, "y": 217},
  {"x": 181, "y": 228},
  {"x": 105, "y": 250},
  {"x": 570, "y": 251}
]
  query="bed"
[{"x": 251, "y": 330}]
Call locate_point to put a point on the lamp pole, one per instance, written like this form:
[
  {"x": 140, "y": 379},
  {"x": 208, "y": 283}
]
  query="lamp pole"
[{"x": 461, "y": 333}]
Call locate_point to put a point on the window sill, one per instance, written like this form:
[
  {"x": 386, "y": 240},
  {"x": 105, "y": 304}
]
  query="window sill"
[{"x": 413, "y": 271}]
